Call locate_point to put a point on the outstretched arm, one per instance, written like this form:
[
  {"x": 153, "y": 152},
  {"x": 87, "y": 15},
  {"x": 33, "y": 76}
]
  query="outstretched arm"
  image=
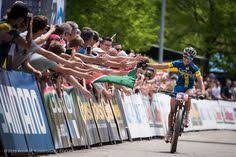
[{"x": 160, "y": 66}]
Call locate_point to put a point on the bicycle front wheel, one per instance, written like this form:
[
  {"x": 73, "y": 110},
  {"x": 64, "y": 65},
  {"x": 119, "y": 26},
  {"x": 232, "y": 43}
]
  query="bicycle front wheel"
[{"x": 177, "y": 131}]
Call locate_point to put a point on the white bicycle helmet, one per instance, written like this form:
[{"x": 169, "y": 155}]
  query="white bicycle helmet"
[{"x": 190, "y": 52}]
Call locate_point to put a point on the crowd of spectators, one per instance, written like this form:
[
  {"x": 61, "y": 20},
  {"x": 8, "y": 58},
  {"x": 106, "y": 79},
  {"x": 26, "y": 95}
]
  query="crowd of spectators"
[{"x": 69, "y": 54}]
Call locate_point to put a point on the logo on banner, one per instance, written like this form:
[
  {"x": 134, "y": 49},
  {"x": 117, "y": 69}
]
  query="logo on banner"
[
  {"x": 218, "y": 115},
  {"x": 26, "y": 101},
  {"x": 228, "y": 115},
  {"x": 195, "y": 115}
]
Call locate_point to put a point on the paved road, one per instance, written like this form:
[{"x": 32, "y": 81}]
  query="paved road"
[{"x": 194, "y": 144}]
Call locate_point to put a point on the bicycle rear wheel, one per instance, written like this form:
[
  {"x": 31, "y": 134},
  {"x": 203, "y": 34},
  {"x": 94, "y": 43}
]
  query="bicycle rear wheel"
[{"x": 177, "y": 130}]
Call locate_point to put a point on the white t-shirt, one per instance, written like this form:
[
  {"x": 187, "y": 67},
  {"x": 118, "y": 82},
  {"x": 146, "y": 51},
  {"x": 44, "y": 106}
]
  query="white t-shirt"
[
  {"x": 216, "y": 91},
  {"x": 122, "y": 53}
]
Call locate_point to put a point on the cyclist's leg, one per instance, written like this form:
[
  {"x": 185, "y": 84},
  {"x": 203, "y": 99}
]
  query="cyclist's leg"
[
  {"x": 172, "y": 112},
  {"x": 187, "y": 107},
  {"x": 170, "y": 120}
]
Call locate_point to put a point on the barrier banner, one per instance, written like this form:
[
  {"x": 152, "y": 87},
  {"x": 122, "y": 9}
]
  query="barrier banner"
[
  {"x": 164, "y": 103},
  {"x": 135, "y": 115},
  {"x": 227, "y": 108},
  {"x": 207, "y": 116},
  {"x": 24, "y": 96},
  {"x": 88, "y": 119},
  {"x": 158, "y": 109},
  {"x": 56, "y": 118},
  {"x": 73, "y": 117},
  {"x": 196, "y": 119},
  {"x": 100, "y": 119},
  {"x": 234, "y": 106},
  {"x": 11, "y": 129},
  {"x": 150, "y": 118},
  {"x": 111, "y": 123},
  {"x": 119, "y": 118}
]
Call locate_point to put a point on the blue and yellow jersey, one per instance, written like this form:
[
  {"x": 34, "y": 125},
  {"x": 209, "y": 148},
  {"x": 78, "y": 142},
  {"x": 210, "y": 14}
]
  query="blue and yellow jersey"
[{"x": 186, "y": 73}]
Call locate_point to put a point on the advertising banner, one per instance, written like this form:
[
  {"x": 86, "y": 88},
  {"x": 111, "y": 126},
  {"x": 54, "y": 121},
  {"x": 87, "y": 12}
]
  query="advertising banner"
[
  {"x": 206, "y": 114},
  {"x": 11, "y": 129},
  {"x": 73, "y": 117},
  {"x": 111, "y": 123},
  {"x": 100, "y": 119},
  {"x": 122, "y": 127},
  {"x": 227, "y": 108},
  {"x": 88, "y": 119},
  {"x": 195, "y": 116},
  {"x": 135, "y": 115},
  {"x": 160, "y": 110},
  {"x": 24, "y": 114},
  {"x": 56, "y": 118},
  {"x": 150, "y": 117}
]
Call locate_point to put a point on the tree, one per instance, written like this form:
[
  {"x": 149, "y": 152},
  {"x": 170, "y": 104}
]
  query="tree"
[
  {"x": 134, "y": 22},
  {"x": 208, "y": 25}
]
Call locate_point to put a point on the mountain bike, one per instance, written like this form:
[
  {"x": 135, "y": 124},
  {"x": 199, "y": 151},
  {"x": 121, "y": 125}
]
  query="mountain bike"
[{"x": 180, "y": 112}]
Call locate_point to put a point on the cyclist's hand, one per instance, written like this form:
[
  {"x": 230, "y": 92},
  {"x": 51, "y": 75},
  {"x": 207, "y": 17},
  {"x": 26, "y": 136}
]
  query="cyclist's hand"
[{"x": 201, "y": 96}]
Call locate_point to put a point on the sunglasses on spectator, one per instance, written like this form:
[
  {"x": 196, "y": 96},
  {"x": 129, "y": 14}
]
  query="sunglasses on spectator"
[{"x": 118, "y": 49}]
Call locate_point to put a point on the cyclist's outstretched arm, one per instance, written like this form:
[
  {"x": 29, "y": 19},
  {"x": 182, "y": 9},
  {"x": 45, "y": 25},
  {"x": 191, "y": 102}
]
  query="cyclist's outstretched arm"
[
  {"x": 160, "y": 66},
  {"x": 201, "y": 84}
]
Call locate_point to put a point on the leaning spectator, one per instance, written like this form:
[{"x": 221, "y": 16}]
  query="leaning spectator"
[
  {"x": 17, "y": 16},
  {"x": 87, "y": 35},
  {"x": 119, "y": 49},
  {"x": 226, "y": 92},
  {"x": 106, "y": 44},
  {"x": 68, "y": 36},
  {"x": 75, "y": 28},
  {"x": 56, "y": 35}
]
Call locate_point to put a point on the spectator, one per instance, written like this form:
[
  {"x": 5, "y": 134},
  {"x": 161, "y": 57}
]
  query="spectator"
[
  {"x": 216, "y": 90},
  {"x": 226, "y": 92},
  {"x": 119, "y": 49},
  {"x": 87, "y": 35},
  {"x": 233, "y": 89},
  {"x": 56, "y": 35},
  {"x": 75, "y": 28},
  {"x": 17, "y": 16},
  {"x": 106, "y": 44}
]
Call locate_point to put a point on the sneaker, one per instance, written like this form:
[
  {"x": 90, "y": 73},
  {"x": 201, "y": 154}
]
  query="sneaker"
[
  {"x": 186, "y": 120},
  {"x": 168, "y": 136}
]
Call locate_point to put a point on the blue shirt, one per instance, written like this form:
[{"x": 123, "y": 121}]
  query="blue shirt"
[{"x": 186, "y": 73}]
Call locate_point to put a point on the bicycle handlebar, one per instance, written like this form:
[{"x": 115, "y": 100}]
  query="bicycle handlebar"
[{"x": 172, "y": 94}]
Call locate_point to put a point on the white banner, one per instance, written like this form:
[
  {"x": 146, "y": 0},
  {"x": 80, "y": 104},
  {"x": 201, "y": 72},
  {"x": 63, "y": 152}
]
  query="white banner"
[
  {"x": 161, "y": 109},
  {"x": 135, "y": 115},
  {"x": 227, "y": 108},
  {"x": 145, "y": 118},
  {"x": 206, "y": 113}
]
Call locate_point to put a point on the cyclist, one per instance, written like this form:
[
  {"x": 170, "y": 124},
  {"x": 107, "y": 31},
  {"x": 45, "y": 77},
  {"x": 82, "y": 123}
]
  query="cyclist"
[{"x": 187, "y": 71}]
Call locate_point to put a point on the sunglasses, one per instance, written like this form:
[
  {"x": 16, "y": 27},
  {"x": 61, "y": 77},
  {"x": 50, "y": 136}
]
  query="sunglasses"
[
  {"x": 189, "y": 58},
  {"x": 118, "y": 49}
]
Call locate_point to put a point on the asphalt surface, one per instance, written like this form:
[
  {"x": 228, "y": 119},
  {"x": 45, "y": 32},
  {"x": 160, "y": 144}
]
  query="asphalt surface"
[{"x": 193, "y": 144}]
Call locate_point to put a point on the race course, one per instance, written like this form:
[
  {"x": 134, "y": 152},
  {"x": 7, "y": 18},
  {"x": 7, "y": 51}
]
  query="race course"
[{"x": 193, "y": 144}]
